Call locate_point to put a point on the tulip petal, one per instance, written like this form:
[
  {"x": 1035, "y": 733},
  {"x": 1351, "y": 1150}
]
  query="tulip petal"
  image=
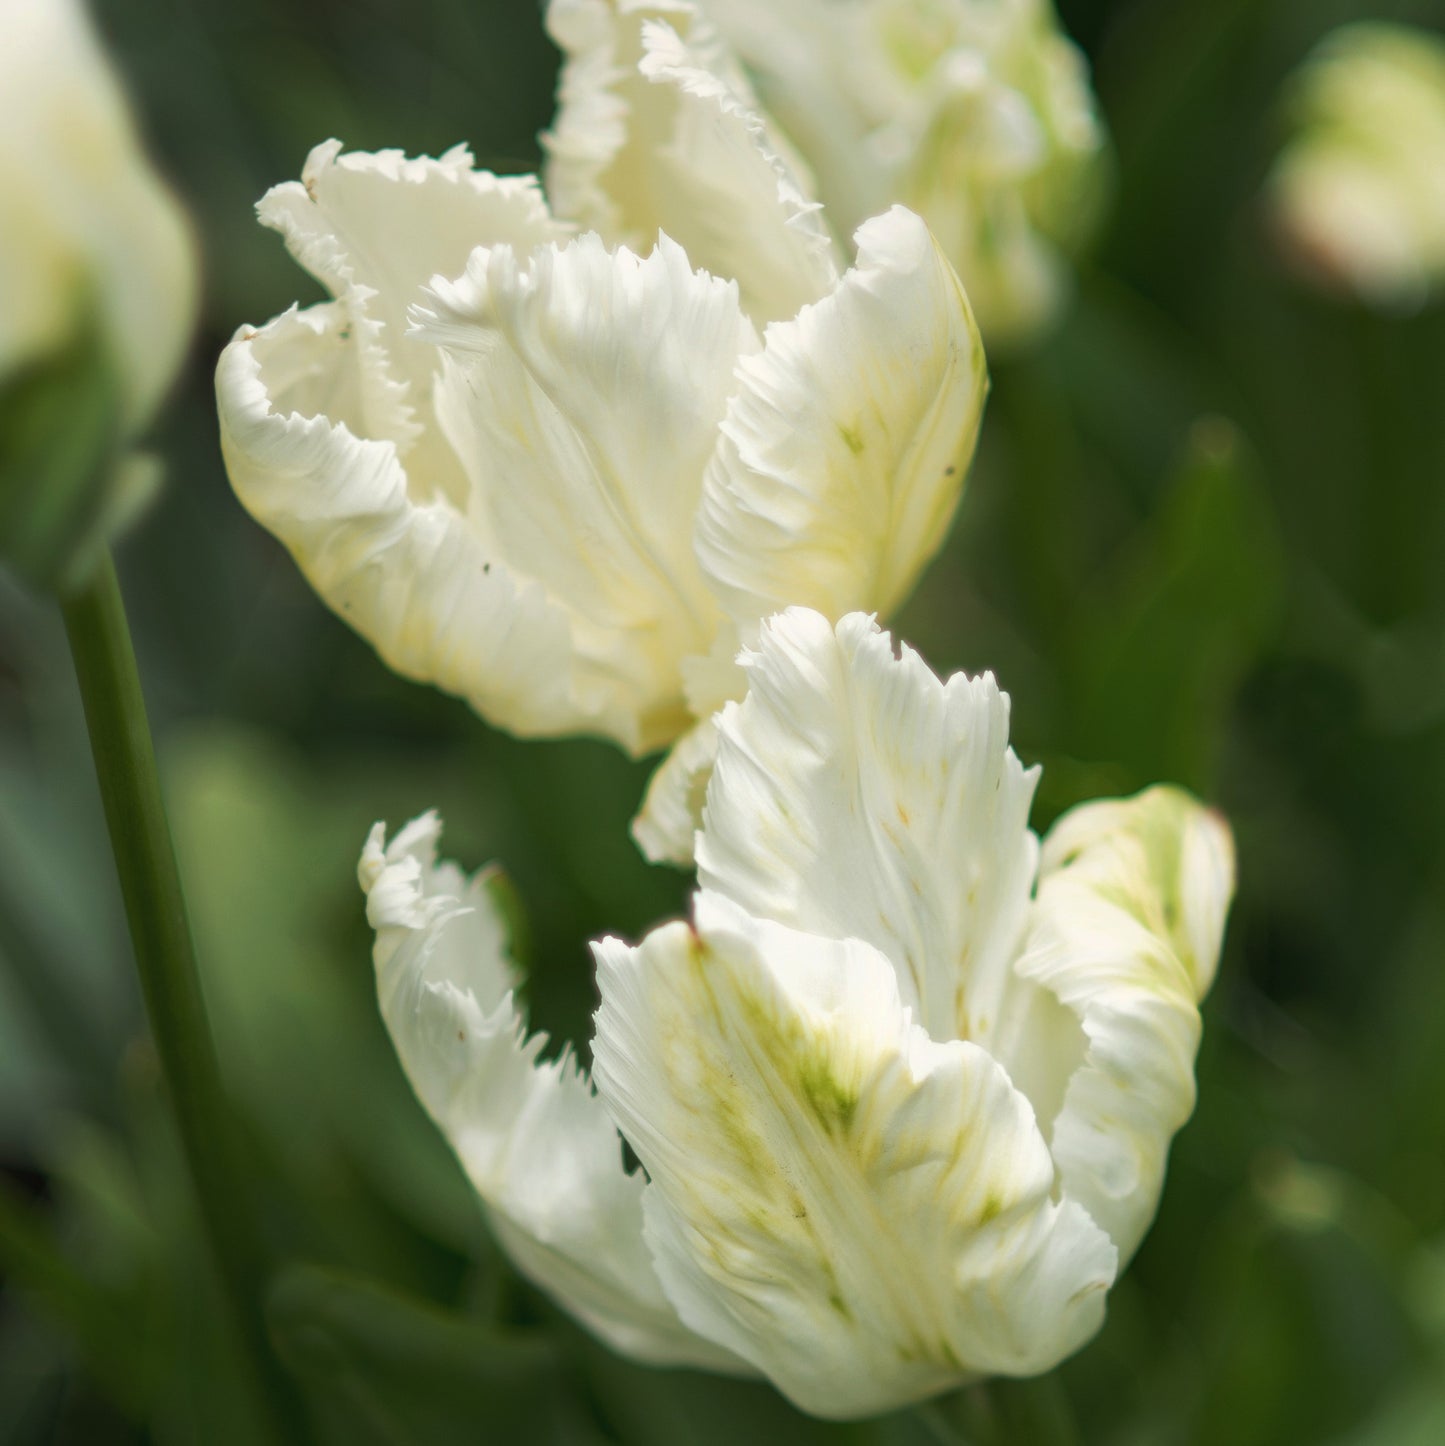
[
  {"x": 667, "y": 821},
  {"x": 534, "y": 1140},
  {"x": 583, "y": 389},
  {"x": 1126, "y": 932},
  {"x": 373, "y": 229},
  {"x": 843, "y": 452},
  {"x": 859, "y": 1211},
  {"x": 413, "y": 578},
  {"x": 657, "y": 130},
  {"x": 857, "y": 796}
]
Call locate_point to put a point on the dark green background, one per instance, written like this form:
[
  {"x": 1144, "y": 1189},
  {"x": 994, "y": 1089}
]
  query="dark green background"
[{"x": 1204, "y": 541}]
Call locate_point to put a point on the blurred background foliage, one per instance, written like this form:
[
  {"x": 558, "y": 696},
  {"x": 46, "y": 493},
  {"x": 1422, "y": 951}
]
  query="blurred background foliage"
[{"x": 1204, "y": 541}]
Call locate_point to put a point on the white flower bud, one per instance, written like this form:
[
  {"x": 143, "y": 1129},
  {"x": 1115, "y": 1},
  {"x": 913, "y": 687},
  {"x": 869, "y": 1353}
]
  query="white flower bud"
[
  {"x": 1357, "y": 196},
  {"x": 89, "y": 235},
  {"x": 97, "y": 295}
]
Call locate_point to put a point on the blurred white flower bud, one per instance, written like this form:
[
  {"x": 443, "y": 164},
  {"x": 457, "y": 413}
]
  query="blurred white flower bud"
[
  {"x": 97, "y": 290},
  {"x": 1357, "y": 196}
]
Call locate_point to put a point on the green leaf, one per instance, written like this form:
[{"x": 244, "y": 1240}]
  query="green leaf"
[
  {"x": 1156, "y": 655},
  {"x": 388, "y": 1368}
]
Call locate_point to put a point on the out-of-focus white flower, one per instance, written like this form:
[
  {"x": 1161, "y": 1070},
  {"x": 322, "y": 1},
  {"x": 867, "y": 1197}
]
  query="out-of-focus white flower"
[
  {"x": 904, "y": 1087},
  {"x": 977, "y": 114},
  {"x": 89, "y": 235},
  {"x": 97, "y": 296},
  {"x": 564, "y": 481},
  {"x": 1358, "y": 194}
]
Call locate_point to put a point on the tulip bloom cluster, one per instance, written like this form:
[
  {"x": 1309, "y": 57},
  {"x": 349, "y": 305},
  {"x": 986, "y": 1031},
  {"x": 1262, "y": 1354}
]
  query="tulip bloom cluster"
[
  {"x": 566, "y": 480},
  {"x": 643, "y": 456},
  {"x": 902, "y": 1088}
]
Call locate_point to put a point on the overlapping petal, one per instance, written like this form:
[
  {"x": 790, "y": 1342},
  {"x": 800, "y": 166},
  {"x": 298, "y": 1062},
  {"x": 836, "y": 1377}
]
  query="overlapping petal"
[
  {"x": 410, "y": 575},
  {"x": 583, "y": 390},
  {"x": 534, "y": 1140},
  {"x": 857, "y": 796},
  {"x": 373, "y": 228},
  {"x": 656, "y": 130},
  {"x": 1126, "y": 932},
  {"x": 837, "y": 474},
  {"x": 858, "y": 1210},
  {"x": 978, "y": 116}
]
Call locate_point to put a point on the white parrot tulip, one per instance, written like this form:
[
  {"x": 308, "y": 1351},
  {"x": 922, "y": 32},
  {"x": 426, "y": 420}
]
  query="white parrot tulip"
[
  {"x": 903, "y": 1088},
  {"x": 564, "y": 481},
  {"x": 977, "y": 114}
]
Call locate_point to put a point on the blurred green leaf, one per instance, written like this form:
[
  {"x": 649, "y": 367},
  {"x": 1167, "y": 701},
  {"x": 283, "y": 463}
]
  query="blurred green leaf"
[
  {"x": 1304, "y": 1330},
  {"x": 1156, "y": 653},
  {"x": 387, "y": 1368},
  {"x": 269, "y": 855}
]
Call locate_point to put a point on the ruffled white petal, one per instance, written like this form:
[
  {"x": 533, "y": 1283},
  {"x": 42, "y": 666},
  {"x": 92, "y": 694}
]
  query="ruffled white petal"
[
  {"x": 583, "y": 389},
  {"x": 373, "y": 229},
  {"x": 534, "y": 1140},
  {"x": 978, "y": 116},
  {"x": 1126, "y": 932},
  {"x": 859, "y": 1211},
  {"x": 665, "y": 826},
  {"x": 413, "y": 578},
  {"x": 857, "y": 796},
  {"x": 657, "y": 130},
  {"x": 843, "y": 452}
]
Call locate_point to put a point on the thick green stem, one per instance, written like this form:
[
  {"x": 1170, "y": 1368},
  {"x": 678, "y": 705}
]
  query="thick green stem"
[
  {"x": 160, "y": 933},
  {"x": 1001, "y": 1413}
]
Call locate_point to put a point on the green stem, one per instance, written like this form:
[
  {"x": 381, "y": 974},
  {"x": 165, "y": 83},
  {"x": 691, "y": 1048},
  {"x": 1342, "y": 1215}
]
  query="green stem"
[
  {"x": 933, "y": 1421},
  {"x": 140, "y": 837},
  {"x": 932, "y": 1416},
  {"x": 1001, "y": 1411}
]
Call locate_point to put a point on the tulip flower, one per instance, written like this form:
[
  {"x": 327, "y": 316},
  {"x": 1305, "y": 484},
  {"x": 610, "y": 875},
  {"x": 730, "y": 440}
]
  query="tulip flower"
[
  {"x": 1357, "y": 197},
  {"x": 977, "y": 114},
  {"x": 97, "y": 291},
  {"x": 565, "y": 480},
  {"x": 903, "y": 1087}
]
